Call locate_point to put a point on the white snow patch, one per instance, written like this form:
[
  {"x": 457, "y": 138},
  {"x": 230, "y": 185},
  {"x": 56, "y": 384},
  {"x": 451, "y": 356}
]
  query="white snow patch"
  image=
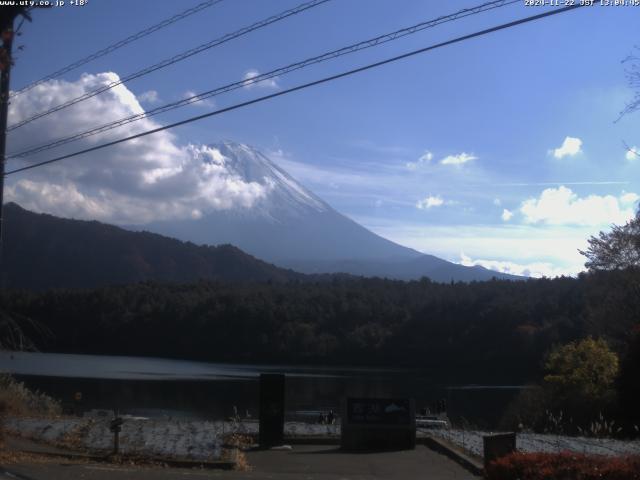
[
  {"x": 297, "y": 190},
  {"x": 196, "y": 440},
  {"x": 534, "y": 442},
  {"x": 170, "y": 438}
]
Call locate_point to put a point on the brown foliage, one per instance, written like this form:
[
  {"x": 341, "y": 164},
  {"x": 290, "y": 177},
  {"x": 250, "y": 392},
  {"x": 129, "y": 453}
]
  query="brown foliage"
[
  {"x": 18, "y": 400},
  {"x": 563, "y": 466}
]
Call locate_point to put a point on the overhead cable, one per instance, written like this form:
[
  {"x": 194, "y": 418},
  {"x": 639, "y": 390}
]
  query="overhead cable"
[
  {"x": 278, "y": 72},
  {"x": 347, "y": 73},
  {"x": 115, "y": 46},
  {"x": 173, "y": 60}
]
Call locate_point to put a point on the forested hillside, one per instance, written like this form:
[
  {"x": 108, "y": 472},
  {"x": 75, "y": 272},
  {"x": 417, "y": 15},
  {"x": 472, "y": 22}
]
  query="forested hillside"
[
  {"x": 42, "y": 251},
  {"x": 484, "y": 331}
]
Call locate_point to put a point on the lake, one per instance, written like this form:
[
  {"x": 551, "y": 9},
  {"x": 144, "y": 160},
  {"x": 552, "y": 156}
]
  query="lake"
[{"x": 179, "y": 388}]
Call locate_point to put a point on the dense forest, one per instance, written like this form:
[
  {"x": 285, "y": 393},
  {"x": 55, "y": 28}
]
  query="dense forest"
[
  {"x": 578, "y": 339},
  {"x": 494, "y": 331}
]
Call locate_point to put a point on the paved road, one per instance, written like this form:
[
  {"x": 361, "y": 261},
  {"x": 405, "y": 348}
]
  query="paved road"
[{"x": 309, "y": 462}]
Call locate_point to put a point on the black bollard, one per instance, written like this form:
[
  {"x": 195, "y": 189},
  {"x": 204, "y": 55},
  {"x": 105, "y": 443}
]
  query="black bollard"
[{"x": 271, "y": 410}]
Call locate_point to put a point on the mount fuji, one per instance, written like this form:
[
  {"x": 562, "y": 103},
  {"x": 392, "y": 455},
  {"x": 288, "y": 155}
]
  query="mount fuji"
[{"x": 292, "y": 227}]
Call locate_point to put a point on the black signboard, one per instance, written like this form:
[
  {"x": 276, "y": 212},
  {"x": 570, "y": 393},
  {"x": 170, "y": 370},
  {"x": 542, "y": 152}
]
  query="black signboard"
[
  {"x": 271, "y": 409},
  {"x": 115, "y": 425},
  {"x": 379, "y": 411},
  {"x": 371, "y": 424}
]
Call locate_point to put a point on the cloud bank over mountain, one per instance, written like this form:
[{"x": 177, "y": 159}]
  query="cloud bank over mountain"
[{"x": 147, "y": 179}]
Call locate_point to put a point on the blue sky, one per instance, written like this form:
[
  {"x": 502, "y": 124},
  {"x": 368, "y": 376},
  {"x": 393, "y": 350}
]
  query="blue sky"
[{"x": 502, "y": 150}]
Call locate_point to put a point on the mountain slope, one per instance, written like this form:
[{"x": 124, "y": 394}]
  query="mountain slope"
[
  {"x": 429, "y": 266},
  {"x": 43, "y": 251},
  {"x": 291, "y": 224},
  {"x": 294, "y": 228}
]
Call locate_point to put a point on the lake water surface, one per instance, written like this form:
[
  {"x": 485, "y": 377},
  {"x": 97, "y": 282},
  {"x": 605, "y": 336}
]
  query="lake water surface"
[{"x": 179, "y": 388}]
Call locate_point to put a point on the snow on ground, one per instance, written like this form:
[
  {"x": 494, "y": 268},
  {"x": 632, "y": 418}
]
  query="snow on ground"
[
  {"x": 533, "y": 442},
  {"x": 191, "y": 439},
  {"x": 195, "y": 440},
  {"x": 203, "y": 440}
]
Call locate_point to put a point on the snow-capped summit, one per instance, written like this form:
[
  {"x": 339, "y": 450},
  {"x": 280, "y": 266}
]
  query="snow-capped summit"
[{"x": 285, "y": 196}]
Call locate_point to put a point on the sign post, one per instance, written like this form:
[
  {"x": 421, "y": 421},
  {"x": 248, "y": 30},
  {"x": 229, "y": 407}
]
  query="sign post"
[
  {"x": 77, "y": 403},
  {"x": 116, "y": 428}
]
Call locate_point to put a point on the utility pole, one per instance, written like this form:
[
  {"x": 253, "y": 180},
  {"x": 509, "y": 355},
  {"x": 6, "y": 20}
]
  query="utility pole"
[
  {"x": 7, "y": 16},
  {"x": 6, "y": 30}
]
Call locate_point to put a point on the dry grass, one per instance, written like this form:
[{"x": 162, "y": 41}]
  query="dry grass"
[
  {"x": 17, "y": 400},
  {"x": 238, "y": 440},
  {"x": 9, "y": 457},
  {"x": 238, "y": 457},
  {"x": 234, "y": 444}
]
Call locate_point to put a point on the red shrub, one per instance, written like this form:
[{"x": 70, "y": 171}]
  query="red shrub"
[{"x": 563, "y": 466}]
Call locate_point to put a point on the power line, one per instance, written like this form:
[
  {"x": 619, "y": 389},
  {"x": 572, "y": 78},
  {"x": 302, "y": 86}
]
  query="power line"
[
  {"x": 271, "y": 74},
  {"x": 176, "y": 58},
  {"x": 132, "y": 38},
  {"x": 303, "y": 86}
]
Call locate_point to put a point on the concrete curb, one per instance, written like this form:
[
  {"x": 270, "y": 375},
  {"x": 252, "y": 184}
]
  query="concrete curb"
[
  {"x": 440, "y": 446},
  {"x": 171, "y": 462},
  {"x": 312, "y": 440},
  {"x": 304, "y": 439}
]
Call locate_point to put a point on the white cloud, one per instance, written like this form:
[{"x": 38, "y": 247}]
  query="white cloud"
[
  {"x": 425, "y": 159},
  {"x": 147, "y": 179},
  {"x": 431, "y": 201},
  {"x": 198, "y": 101},
  {"x": 629, "y": 198},
  {"x": 561, "y": 206},
  {"x": 350, "y": 179},
  {"x": 534, "y": 269},
  {"x": 633, "y": 153},
  {"x": 459, "y": 159},
  {"x": 269, "y": 83},
  {"x": 570, "y": 147},
  {"x": 506, "y": 215},
  {"x": 335, "y": 177},
  {"x": 150, "y": 96},
  {"x": 553, "y": 184}
]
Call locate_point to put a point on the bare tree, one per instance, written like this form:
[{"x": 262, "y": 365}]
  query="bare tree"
[
  {"x": 617, "y": 249},
  {"x": 632, "y": 72},
  {"x": 17, "y": 331}
]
